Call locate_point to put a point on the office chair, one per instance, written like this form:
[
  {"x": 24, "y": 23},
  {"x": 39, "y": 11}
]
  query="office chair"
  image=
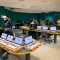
[
  {"x": 1, "y": 31},
  {"x": 4, "y": 56},
  {"x": 46, "y": 38},
  {"x": 9, "y": 32}
]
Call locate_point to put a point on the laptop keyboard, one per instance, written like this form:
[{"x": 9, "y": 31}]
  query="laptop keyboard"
[
  {"x": 15, "y": 45},
  {"x": 31, "y": 44},
  {"x": 6, "y": 42},
  {"x": 11, "y": 46}
]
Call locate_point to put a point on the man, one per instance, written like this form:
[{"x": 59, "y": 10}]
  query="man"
[
  {"x": 7, "y": 22},
  {"x": 7, "y": 25},
  {"x": 35, "y": 21}
]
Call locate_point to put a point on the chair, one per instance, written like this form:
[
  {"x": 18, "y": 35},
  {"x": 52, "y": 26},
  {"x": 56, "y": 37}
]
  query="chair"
[
  {"x": 1, "y": 31},
  {"x": 45, "y": 37},
  {"x": 9, "y": 32},
  {"x": 4, "y": 57}
]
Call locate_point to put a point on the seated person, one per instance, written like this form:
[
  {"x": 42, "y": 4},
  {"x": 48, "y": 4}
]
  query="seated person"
[
  {"x": 33, "y": 25},
  {"x": 42, "y": 23},
  {"x": 58, "y": 24},
  {"x": 52, "y": 23},
  {"x": 9, "y": 32}
]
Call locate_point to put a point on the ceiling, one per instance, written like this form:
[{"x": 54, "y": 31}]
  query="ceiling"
[{"x": 32, "y": 5}]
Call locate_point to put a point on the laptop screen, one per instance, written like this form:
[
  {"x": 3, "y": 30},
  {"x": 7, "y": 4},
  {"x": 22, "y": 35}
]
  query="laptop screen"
[
  {"x": 18, "y": 40},
  {"x": 4, "y": 35},
  {"x": 28, "y": 39},
  {"x": 10, "y": 38},
  {"x": 45, "y": 28},
  {"x": 52, "y": 28},
  {"x": 38, "y": 27}
]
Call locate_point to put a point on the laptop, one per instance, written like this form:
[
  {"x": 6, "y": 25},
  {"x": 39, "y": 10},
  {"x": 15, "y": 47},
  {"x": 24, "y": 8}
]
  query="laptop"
[
  {"x": 3, "y": 36},
  {"x": 38, "y": 27},
  {"x": 18, "y": 42},
  {"x": 8, "y": 40},
  {"x": 45, "y": 28},
  {"x": 29, "y": 42},
  {"x": 53, "y": 29}
]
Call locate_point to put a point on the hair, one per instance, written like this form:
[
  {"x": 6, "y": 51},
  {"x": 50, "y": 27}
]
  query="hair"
[
  {"x": 4, "y": 16},
  {"x": 42, "y": 22}
]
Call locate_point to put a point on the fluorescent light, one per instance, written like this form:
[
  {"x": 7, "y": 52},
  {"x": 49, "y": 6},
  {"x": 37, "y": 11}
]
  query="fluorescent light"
[{"x": 48, "y": 2}]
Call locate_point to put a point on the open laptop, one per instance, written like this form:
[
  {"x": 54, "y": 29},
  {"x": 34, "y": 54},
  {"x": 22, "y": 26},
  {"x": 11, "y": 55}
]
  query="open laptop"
[
  {"x": 3, "y": 36},
  {"x": 38, "y": 27},
  {"x": 18, "y": 42},
  {"x": 29, "y": 41},
  {"x": 8, "y": 40},
  {"x": 45, "y": 28},
  {"x": 53, "y": 29}
]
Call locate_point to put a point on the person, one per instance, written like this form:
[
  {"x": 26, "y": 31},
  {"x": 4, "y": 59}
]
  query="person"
[
  {"x": 58, "y": 24},
  {"x": 7, "y": 25},
  {"x": 7, "y": 22},
  {"x": 33, "y": 25},
  {"x": 42, "y": 23},
  {"x": 35, "y": 21}
]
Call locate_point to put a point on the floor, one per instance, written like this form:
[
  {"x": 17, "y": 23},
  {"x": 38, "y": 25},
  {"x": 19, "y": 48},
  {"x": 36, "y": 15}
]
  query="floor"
[{"x": 44, "y": 52}]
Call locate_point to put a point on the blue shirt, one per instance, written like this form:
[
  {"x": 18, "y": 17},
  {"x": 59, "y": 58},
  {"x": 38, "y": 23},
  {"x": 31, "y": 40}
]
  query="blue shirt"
[{"x": 35, "y": 21}]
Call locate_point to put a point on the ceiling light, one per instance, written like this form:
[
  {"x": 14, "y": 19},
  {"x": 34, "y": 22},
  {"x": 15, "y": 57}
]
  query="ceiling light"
[{"x": 48, "y": 2}]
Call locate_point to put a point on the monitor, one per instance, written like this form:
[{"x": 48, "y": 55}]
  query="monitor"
[
  {"x": 18, "y": 40},
  {"x": 10, "y": 38},
  {"x": 38, "y": 27},
  {"x": 52, "y": 28},
  {"x": 4, "y": 35},
  {"x": 28, "y": 39},
  {"x": 45, "y": 28}
]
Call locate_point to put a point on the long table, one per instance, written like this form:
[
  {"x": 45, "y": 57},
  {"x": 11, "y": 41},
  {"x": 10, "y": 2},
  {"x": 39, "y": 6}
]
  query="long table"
[
  {"x": 25, "y": 52},
  {"x": 48, "y": 31},
  {"x": 22, "y": 51}
]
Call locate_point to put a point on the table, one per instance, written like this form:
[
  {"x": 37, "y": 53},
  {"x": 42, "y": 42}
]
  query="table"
[
  {"x": 24, "y": 28},
  {"x": 23, "y": 51},
  {"x": 26, "y": 52},
  {"x": 48, "y": 31}
]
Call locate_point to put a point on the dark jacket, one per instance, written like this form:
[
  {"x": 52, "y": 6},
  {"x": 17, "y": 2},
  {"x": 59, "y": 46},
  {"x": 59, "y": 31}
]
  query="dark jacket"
[{"x": 7, "y": 24}]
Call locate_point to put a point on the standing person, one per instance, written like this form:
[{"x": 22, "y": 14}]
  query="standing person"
[
  {"x": 35, "y": 21},
  {"x": 7, "y": 25},
  {"x": 7, "y": 22}
]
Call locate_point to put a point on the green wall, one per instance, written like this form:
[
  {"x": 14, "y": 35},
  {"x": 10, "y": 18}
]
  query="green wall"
[
  {"x": 25, "y": 17},
  {"x": 50, "y": 16},
  {"x": 2, "y": 12}
]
